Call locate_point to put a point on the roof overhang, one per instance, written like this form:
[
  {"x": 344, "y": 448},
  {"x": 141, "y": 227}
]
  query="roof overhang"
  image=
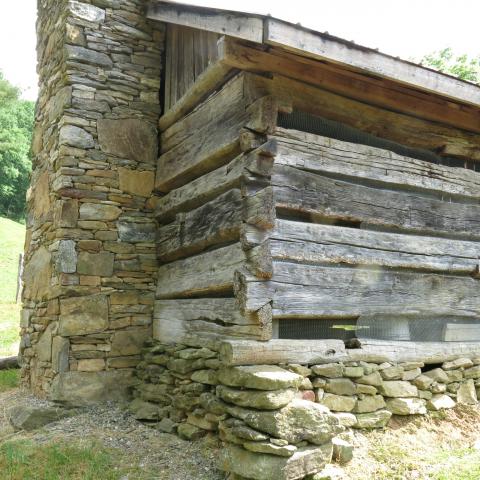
[{"x": 304, "y": 42}]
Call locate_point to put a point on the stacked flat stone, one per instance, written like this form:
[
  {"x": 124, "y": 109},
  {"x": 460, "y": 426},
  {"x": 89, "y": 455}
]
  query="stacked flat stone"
[
  {"x": 268, "y": 428},
  {"x": 365, "y": 395},
  {"x": 178, "y": 390},
  {"x": 90, "y": 240},
  {"x": 279, "y": 421},
  {"x": 272, "y": 431}
]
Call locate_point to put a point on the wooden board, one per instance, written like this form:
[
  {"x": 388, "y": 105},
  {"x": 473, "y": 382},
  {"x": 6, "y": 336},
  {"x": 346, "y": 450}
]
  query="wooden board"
[
  {"x": 325, "y": 47},
  {"x": 215, "y": 222},
  {"x": 330, "y": 199},
  {"x": 206, "y": 273},
  {"x": 316, "y": 244},
  {"x": 225, "y": 22},
  {"x": 357, "y": 85},
  {"x": 196, "y": 69},
  {"x": 318, "y": 154},
  {"x": 188, "y": 53}
]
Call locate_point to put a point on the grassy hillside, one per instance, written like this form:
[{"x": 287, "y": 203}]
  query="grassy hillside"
[{"x": 12, "y": 236}]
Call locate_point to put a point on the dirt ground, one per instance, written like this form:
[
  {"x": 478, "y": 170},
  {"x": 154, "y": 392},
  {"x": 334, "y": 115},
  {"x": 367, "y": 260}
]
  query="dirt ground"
[{"x": 160, "y": 455}]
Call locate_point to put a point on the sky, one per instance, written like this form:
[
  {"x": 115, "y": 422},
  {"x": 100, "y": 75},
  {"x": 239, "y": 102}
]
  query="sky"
[{"x": 409, "y": 29}]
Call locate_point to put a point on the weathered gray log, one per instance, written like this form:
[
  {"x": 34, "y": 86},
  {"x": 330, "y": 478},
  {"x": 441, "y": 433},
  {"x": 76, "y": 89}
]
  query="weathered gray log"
[
  {"x": 306, "y": 290},
  {"x": 8, "y": 363},
  {"x": 212, "y": 184},
  {"x": 462, "y": 332},
  {"x": 216, "y": 222},
  {"x": 206, "y": 273},
  {"x": 203, "y": 139},
  {"x": 244, "y": 352},
  {"x": 327, "y": 155},
  {"x": 310, "y": 243},
  {"x": 404, "y": 129},
  {"x": 210, "y": 135},
  {"x": 260, "y": 209},
  {"x": 309, "y": 193},
  {"x": 176, "y": 331},
  {"x": 175, "y": 319},
  {"x": 427, "y": 352},
  {"x": 217, "y": 310}
]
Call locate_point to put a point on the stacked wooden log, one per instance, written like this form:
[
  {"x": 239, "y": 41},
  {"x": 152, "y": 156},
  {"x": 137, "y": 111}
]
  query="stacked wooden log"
[{"x": 261, "y": 223}]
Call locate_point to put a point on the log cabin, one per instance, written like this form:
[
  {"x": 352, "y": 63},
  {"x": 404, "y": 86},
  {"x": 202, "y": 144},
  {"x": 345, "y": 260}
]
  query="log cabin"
[{"x": 312, "y": 189}]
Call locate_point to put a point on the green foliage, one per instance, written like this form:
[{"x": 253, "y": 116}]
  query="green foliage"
[
  {"x": 16, "y": 123},
  {"x": 12, "y": 235},
  {"x": 460, "y": 66}
]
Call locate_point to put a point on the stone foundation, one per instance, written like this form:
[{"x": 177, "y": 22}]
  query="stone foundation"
[{"x": 279, "y": 421}]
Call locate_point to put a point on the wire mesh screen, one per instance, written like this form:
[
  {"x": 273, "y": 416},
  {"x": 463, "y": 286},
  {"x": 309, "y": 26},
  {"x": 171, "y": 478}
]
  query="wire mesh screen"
[
  {"x": 316, "y": 329},
  {"x": 418, "y": 329},
  {"x": 329, "y": 128}
]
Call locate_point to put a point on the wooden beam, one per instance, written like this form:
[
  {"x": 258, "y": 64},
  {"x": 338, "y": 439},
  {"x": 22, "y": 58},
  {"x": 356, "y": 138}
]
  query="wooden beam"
[
  {"x": 426, "y": 352},
  {"x": 208, "y": 186},
  {"x": 328, "y": 48},
  {"x": 245, "y": 352},
  {"x": 235, "y": 24},
  {"x": 404, "y": 129},
  {"x": 311, "y": 352},
  {"x": 373, "y": 90}
]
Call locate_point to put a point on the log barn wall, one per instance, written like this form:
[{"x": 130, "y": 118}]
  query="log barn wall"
[{"x": 261, "y": 223}]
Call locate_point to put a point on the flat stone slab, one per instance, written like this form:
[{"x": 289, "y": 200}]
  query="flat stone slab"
[
  {"x": 23, "y": 417},
  {"x": 304, "y": 461},
  {"x": 398, "y": 388},
  {"x": 440, "y": 402},
  {"x": 259, "y": 377},
  {"x": 299, "y": 420},
  {"x": 263, "y": 400},
  {"x": 406, "y": 406},
  {"x": 378, "y": 419}
]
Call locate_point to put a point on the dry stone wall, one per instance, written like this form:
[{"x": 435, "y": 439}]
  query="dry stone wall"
[
  {"x": 90, "y": 256},
  {"x": 279, "y": 421}
]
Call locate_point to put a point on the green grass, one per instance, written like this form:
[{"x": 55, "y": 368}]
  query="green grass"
[
  {"x": 12, "y": 235},
  {"x": 23, "y": 460},
  {"x": 8, "y": 379}
]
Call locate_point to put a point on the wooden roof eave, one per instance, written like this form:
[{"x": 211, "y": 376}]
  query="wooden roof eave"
[{"x": 308, "y": 43}]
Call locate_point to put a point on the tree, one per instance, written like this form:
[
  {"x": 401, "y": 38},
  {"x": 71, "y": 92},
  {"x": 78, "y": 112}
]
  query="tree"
[
  {"x": 16, "y": 124},
  {"x": 460, "y": 66}
]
